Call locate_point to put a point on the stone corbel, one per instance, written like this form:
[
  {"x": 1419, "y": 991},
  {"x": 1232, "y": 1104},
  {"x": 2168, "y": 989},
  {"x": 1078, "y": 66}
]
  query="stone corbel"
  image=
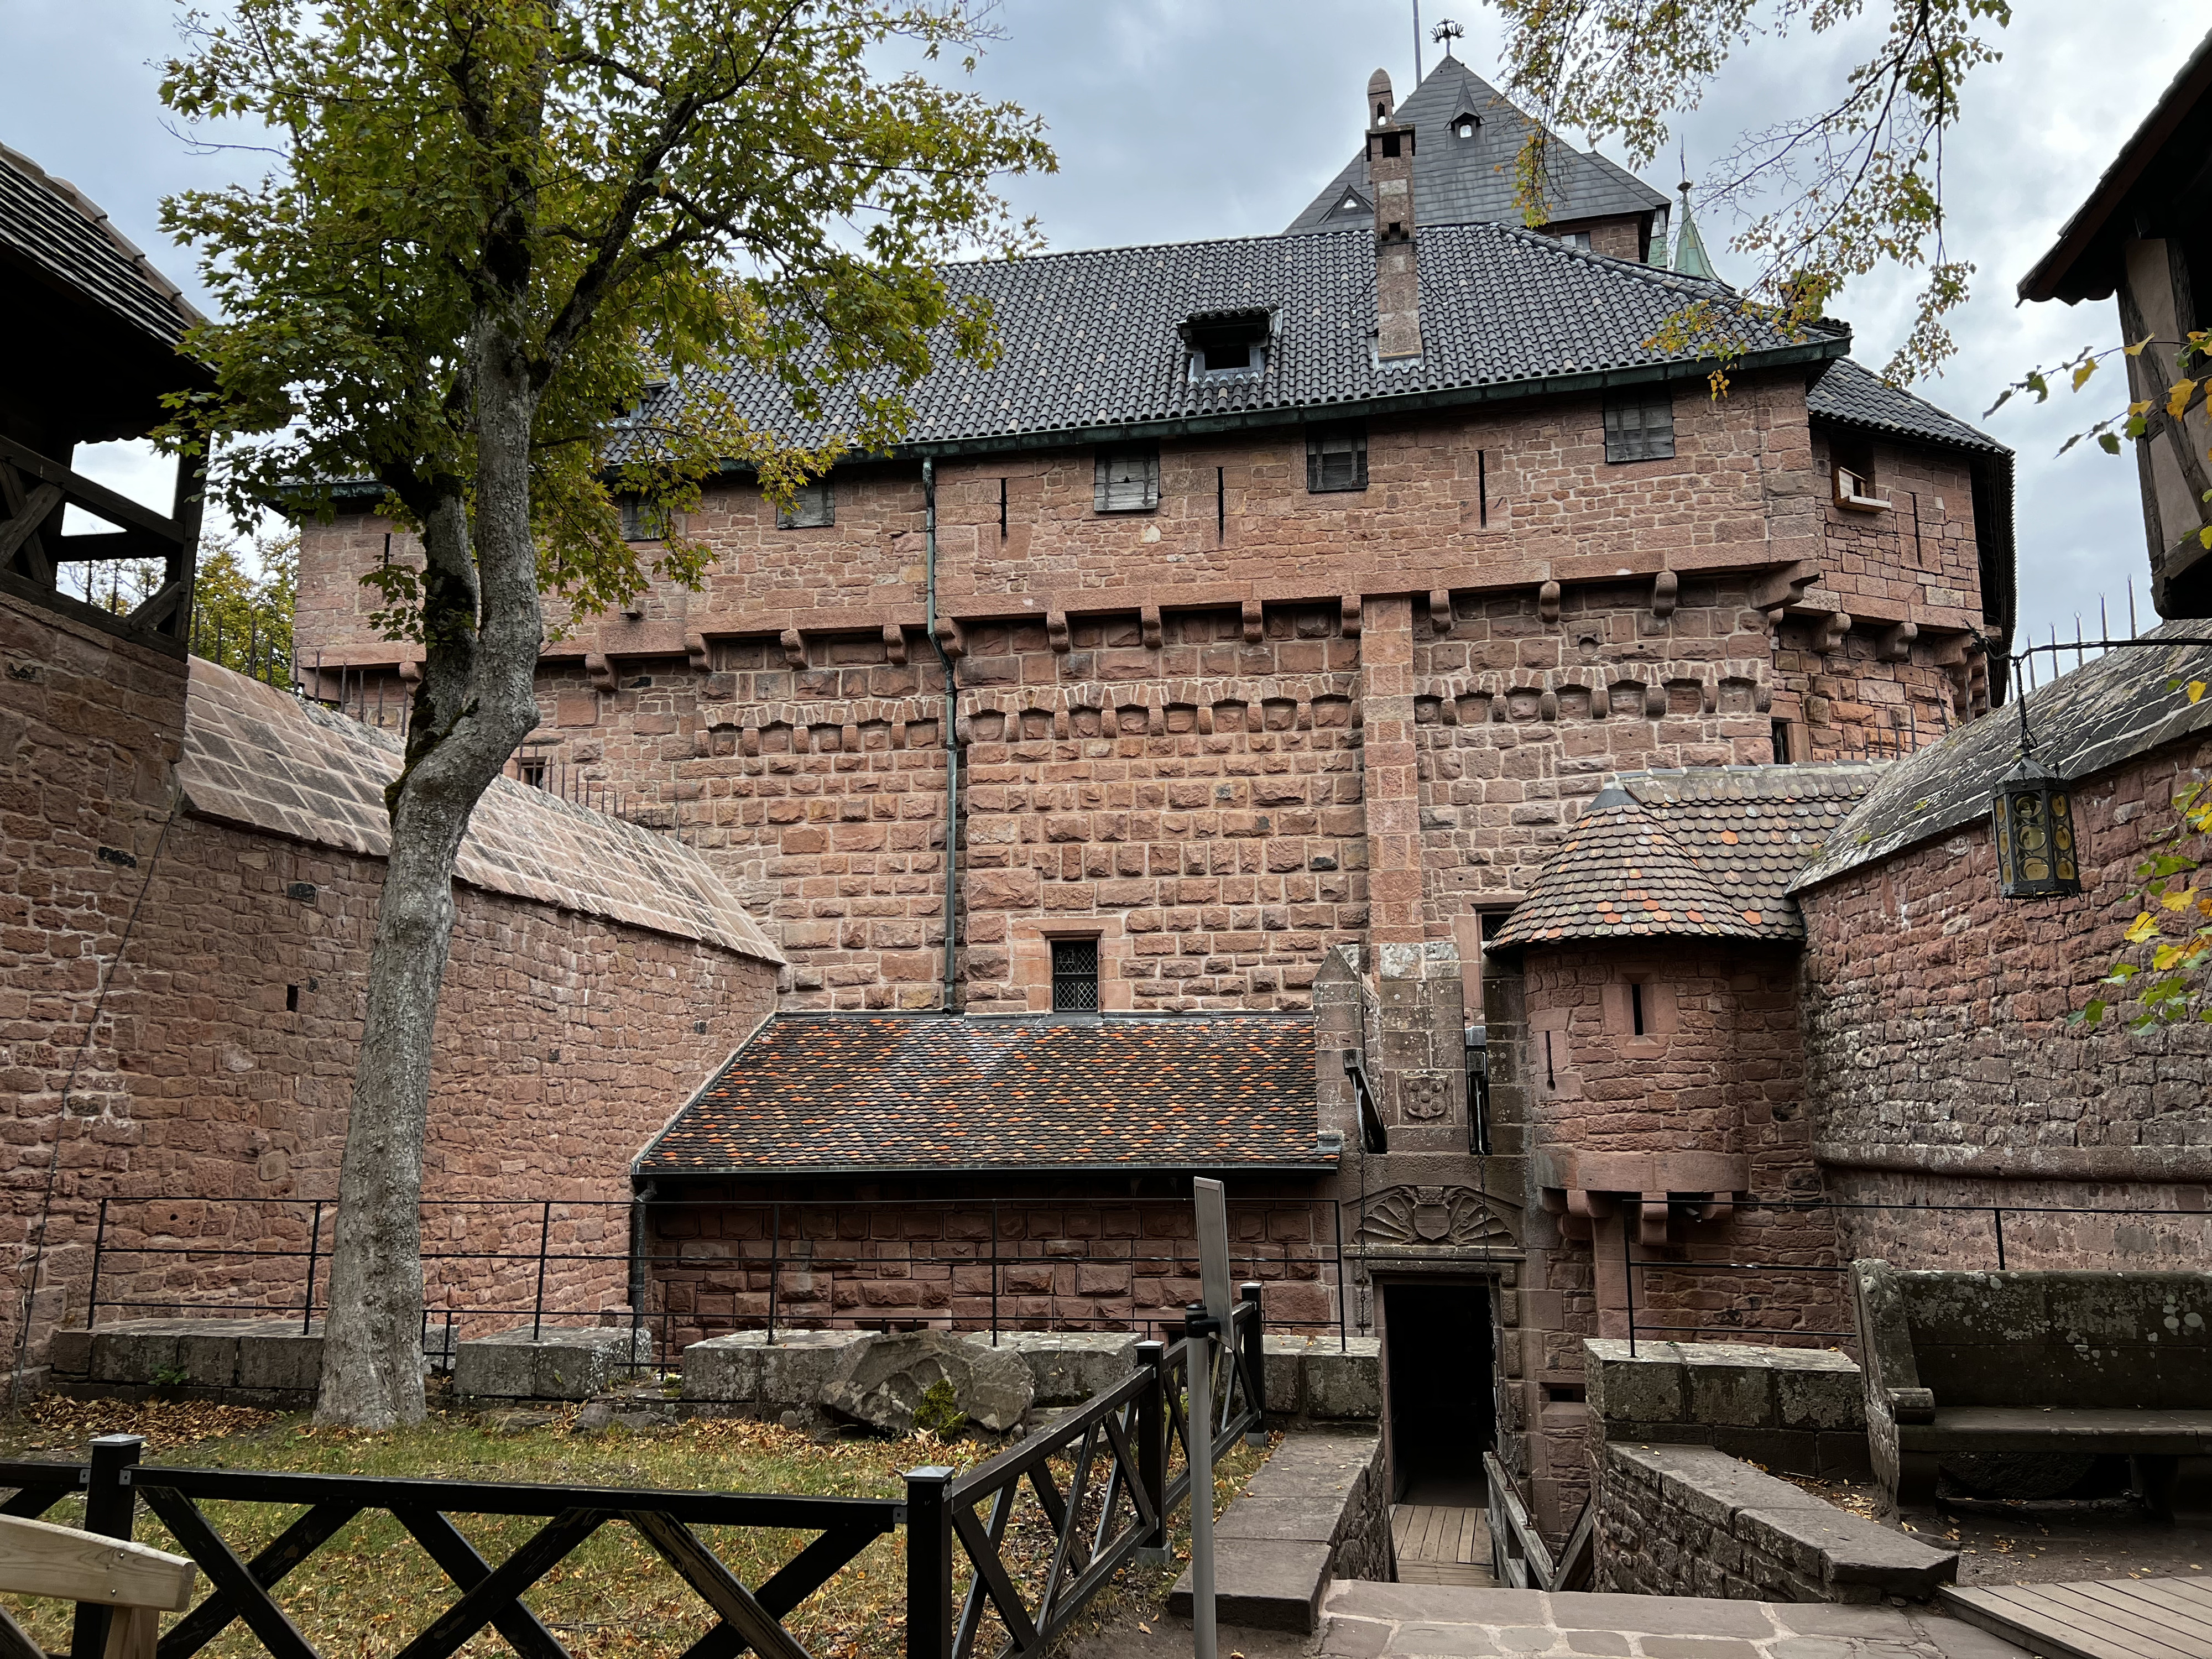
[
  {"x": 600, "y": 670},
  {"x": 411, "y": 672},
  {"x": 1255, "y": 623},
  {"x": 1829, "y": 637},
  {"x": 1547, "y": 602},
  {"x": 1785, "y": 585},
  {"x": 1666, "y": 587},
  {"x": 1651, "y": 1221},
  {"x": 895, "y": 644},
  {"x": 794, "y": 647},
  {"x": 694, "y": 648},
  {"x": 1440, "y": 610},
  {"x": 1547, "y": 706},
  {"x": 1056, "y": 633},
  {"x": 1895, "y": 644},
  {"x": 1148, "y": 624},
  {"x": 950, "y": 638},
  {"x": 1351, "y": 609},
  {"x": 1655, "y": 702}
]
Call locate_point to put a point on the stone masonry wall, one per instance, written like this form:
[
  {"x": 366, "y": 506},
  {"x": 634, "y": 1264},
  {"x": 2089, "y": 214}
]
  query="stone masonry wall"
[
  {"x": 220, "y": 1067},
  {"x": 1943, "y": 1065},
  {"x": 1072, "y": 1254}
]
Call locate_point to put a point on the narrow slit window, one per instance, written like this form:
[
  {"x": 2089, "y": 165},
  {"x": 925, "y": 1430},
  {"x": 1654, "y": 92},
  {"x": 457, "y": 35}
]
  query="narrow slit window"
[
  {"x": 1336, "y": 459},
  {"x": 1075, "y": 976},
  {"x": 1636, "y": 1006},
  {"x": 1639, "y": 425},
  {"x": 1781, "y": 730}
]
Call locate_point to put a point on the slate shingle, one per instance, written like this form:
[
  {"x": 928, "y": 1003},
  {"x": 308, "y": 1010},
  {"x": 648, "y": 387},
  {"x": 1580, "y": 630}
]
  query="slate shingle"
[
  {"x": 1855, "y": 396},
  {"x": 1706, "y": 854},
  {"x": 852, "y": 1092},
  {"x": 55, "y": 227}
]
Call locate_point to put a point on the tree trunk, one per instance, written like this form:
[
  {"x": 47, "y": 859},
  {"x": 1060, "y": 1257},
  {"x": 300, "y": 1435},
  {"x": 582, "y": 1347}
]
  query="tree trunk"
[{"x": 481, "y": 628}]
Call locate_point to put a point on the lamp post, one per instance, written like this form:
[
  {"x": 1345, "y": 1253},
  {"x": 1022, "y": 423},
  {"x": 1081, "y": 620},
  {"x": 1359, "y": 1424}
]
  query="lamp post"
[{"x": 2040, "y": 845}]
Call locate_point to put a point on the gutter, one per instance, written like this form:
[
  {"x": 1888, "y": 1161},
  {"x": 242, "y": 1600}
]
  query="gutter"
[{"x": 951, "y": 736}]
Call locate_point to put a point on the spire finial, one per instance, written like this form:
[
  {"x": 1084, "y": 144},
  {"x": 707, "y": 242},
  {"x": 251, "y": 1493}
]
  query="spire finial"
[{"x": 1445, "y": 33}]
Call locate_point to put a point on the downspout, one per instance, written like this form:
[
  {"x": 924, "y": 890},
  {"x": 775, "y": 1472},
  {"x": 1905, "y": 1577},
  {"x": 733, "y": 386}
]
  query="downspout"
[{"x": 951, "y": 735}]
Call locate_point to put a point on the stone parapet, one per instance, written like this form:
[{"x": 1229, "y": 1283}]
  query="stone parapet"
[
  {"x": 1692, "y": 1521},
  {"x": 1799, "y": 1409}
]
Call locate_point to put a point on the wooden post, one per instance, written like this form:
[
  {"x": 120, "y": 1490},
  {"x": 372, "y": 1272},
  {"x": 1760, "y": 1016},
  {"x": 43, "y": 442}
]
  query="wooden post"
[
  {"x": 110, "y": 1506},
  {"x": 1152, "y": 1451},
  {"x": 928, "y": 1564}
]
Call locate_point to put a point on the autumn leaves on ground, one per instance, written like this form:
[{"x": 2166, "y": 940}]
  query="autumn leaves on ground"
[{"x": 371, "y": 1589}]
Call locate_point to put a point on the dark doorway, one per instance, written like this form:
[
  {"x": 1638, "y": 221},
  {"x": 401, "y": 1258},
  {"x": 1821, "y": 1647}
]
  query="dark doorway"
[{"x": 1442, "y": 1407}]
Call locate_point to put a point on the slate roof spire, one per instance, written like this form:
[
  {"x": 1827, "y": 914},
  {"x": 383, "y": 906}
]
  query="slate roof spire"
[{"x": 1690, "y": 256}]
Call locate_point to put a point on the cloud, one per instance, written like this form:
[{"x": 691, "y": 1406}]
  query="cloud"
[{"x": 1177, "y": 121}]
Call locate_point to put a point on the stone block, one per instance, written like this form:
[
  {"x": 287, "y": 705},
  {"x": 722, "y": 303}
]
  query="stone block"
[
  {"x": 209, "y": 1357},
  {"x": 1283, "y": 1361},
  {"x": 70, "y": 1353},
  {"x": 726, "y": 1368},
  {"x": 279, "y": 1355},
  {"x": 1344, "y": 1384},
  {"x": 557, "y": 1363},
  {"x": 134, "y": 1352},
  {"x": 1732, "y": 1391},
  {"x": 1818, "y": 1397},
  {"x": 1069, "y": 1367},
  {"x": 1651, "y": 1387},
  {"x": 795, "y": 1368},
  {"x": 883, "y": 1384},
  {"x": 1853, "y": 1558},
  {"x": 1267, "y": 1586}
]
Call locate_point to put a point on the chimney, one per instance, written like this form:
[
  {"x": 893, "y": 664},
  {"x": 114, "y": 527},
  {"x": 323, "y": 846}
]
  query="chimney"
[{"x": 1397, "y": 269}]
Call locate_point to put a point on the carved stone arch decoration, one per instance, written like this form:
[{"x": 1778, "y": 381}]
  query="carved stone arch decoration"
[{"x": 1439, "y": 1218}]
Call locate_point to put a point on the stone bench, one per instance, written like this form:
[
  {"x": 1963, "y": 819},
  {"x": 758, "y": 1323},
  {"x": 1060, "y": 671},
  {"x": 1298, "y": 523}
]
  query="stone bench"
[
  {"x": 1962, "y": 1366},
  {"x": 264, "y": 1362},
  {"x": 556, "y": 1363}
]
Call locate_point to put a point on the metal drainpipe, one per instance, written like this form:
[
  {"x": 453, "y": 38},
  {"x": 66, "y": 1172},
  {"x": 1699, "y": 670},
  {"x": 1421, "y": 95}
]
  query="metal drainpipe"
[{"x": 951, "y": 735}]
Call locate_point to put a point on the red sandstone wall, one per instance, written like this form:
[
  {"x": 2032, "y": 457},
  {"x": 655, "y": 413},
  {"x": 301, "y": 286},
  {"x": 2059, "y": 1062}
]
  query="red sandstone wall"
[
  {"x": 1935, "y": 1019},
  {"x": 1917, "y": 559},
  {"x": 564, "y": 1042},
  {"x": 1086, "y": 1259}
]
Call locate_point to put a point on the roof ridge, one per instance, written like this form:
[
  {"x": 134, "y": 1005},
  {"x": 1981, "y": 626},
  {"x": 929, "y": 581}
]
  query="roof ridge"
[{"x": 98, "y": 217}]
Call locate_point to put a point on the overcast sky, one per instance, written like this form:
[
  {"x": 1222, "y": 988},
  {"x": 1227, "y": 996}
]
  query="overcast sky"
[{"x": 1182, "y": 119}]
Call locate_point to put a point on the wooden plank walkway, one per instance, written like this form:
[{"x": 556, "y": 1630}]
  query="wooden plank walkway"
[
  {"x": 2099, "y": 1619},
  {"x": 1437, "y": 1544}
]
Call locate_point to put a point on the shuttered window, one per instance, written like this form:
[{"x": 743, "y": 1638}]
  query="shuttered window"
[
  {"x": 1075, "y": 976},
  {"x": 643, "y": 520},
  {"x": 1128, "y": 479},
  {"x": 814, "y": 505},
  {"x": 1336, "y": 459},
  {"x": 1639, "y": 424}
]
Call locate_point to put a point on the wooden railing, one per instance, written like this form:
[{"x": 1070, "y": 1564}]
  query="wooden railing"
[
  {"x": 1519, "y": 1555},
  {"x": 34, "y": 490}
]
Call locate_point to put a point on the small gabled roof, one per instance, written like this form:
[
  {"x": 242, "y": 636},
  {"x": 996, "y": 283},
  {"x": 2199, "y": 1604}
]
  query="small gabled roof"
[
  {"x": 832, "y": 1093},
  {"x": 2109, "y": 711},
  {"x": 1702, "y": 853},
  {"x": 54, "y": 229},
  {"x": 1853, "y": 396},
  {"x": 1466, "y": 181}
]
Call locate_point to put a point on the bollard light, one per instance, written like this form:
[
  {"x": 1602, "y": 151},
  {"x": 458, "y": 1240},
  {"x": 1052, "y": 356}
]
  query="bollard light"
[{"x": 2038, "y": 850}]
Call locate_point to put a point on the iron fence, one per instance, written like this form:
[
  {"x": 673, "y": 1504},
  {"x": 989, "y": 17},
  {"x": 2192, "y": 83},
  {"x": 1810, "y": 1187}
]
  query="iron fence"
[
  {"x": 805, "y": 1265},
  {"x": 1993, "y": 1215}
]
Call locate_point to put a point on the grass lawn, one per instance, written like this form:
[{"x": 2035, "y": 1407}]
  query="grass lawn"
[{"x": 371, "y": 1589}]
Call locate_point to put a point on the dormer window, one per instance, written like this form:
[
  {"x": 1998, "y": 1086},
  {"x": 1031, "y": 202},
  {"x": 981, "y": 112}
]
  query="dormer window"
[
  {"x": 1227, "y": 343},
  {"x": 1465, "y": 124}
]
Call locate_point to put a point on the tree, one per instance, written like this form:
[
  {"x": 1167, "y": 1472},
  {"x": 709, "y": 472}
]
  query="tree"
[
  {"x": 491, "y": 225},
  {"x": 243, "y": 594}
]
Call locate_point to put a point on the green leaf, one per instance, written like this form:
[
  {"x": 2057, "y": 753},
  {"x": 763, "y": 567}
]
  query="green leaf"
[{"x": 2109, "y": 442}]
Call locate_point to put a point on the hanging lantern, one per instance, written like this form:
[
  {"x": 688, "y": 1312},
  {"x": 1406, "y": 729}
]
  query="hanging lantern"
[{"x": 2032, "y": 811}]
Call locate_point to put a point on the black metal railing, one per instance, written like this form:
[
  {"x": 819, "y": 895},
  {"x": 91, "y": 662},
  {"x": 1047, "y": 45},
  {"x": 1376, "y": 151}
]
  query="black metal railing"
[
  {"x": 1104, "y": 1480},
  {"x": 488, "y": 1597},
  {"x": 270, "y": 1256},
  {"x": 1992, "y": 1214}
]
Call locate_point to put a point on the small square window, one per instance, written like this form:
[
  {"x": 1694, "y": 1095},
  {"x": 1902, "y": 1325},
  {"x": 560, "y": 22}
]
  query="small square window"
[
  {"x": 1075, "y": 976},
  {"x": 1639, "y": 424},
  {"x": 812, "y": 508},
  {"x": 1575, "y": 238},
  {"x": 643, "y": 520},
  {"x": 1336, "y": 459},
  {"x": 1128, "y": 479}
]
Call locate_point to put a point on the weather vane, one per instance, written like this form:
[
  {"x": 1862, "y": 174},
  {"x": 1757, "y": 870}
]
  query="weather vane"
[{"x": 1447, "y": 32}]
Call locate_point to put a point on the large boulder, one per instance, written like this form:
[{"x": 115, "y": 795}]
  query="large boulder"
[{"x": 883, "y": 1382}]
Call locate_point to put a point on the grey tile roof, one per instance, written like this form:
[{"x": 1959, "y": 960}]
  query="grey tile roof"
[
  {"x": 1855, "y": 396},
  {"x": 839, "y": 1092},
  {"x": 53, "y": 227},
  {"x": 265, "y": 760},
  {"x": 1090, "y": 345},
  {"x": 2122, "y": 705},
  {"x": 1467, "y": 180},
  {"x": 1704, "y": 853}
]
